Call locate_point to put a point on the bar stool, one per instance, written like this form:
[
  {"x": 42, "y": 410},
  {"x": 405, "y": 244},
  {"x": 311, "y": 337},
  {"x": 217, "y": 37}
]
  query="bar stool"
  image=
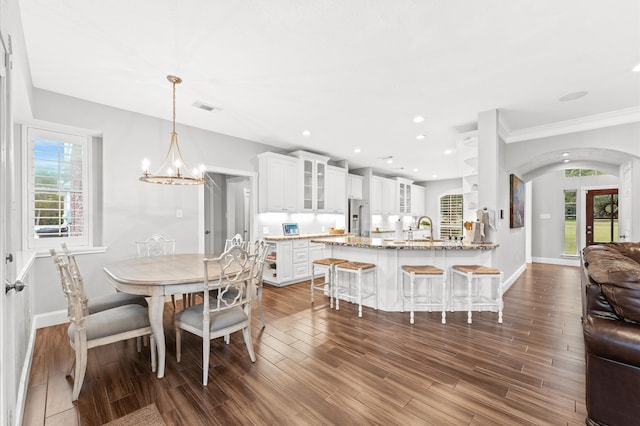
[
  {"x": 345, "y": 290},
  {"x": 327, "y": 264},
  {"x": 478, "y": 300},
  {"x": 428, "y": 273}
]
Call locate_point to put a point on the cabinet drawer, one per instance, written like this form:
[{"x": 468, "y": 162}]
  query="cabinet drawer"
[
  {"x": 301, "y": 270},
  {"x": 300, "y": 244},
  {"x": 300, "y": 255}
]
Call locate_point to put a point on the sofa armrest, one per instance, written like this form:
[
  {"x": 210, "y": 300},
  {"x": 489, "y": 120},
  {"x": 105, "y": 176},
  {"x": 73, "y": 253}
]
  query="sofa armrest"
[{"x": 612, "y": 339}]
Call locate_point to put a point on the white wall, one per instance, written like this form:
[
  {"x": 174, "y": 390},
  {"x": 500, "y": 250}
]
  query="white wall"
[
  {"x": 133, "y": 210},
  {"x": 547, "y": 220}
]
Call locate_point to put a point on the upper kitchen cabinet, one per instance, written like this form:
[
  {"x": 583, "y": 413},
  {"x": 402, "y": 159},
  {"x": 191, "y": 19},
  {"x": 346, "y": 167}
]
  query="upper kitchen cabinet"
[
  {"x": 354, "y": 186},
  {"x": 418, "y": 200},
  {"x": 336, "y": 194},
  {"x": 278, "y": 177},
  {"x": 384, "y": 196},
  {"x": 313, "y": 172},
  {"x": 403, "y": 194}
]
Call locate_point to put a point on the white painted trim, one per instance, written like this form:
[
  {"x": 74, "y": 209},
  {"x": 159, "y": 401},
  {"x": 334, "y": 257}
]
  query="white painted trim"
[
  {"x": 555, "y": 261},
  {"x": 614, "y": 118},
  {"x": 253, "y": 178},
  {"x": 506, "y": 285},
  {"x": 49, "y": 319},
  {"x": 21, "y": 397}
]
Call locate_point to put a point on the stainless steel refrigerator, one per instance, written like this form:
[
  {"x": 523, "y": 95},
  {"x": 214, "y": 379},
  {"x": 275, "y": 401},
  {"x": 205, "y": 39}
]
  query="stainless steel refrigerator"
[{"x": 355, "y": 217}]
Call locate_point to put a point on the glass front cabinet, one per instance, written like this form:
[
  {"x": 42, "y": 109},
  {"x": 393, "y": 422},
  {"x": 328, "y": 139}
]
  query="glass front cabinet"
[{"x": 314, "y": 181}]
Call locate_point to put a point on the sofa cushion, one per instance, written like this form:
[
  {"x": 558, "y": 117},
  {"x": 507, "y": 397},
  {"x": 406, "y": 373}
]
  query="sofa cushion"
[
  {"x": 631, "y": 250},
  {"x": 619, "y": 278}
]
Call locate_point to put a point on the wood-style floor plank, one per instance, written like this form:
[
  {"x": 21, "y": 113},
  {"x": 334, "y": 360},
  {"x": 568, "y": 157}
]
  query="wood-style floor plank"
[{"x": 318, "y": 366}]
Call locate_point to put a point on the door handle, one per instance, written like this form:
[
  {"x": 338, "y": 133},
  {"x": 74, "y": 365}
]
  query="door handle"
[{"x": 17, "y": 286}]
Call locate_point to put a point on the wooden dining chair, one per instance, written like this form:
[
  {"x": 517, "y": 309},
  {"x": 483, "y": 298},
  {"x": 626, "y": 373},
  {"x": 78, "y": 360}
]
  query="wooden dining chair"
[
  {"x": 226, "y": 309},
  {"x": 158, "y": 245},
  {"x": 236, "y": 240},
  {"x": 100, "y": 303},
  {"x": 259, "y": 251},
  {"x": 88, "y": 331}
]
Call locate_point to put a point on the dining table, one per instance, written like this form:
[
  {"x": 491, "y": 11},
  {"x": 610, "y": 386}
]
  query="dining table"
[{"x": 159, "y": 277}]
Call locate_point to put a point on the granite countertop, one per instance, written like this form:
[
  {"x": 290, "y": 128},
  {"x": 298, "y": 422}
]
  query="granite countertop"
[
  {"x": 365, "y": 242},
  {"x": 302, "y": 236}
]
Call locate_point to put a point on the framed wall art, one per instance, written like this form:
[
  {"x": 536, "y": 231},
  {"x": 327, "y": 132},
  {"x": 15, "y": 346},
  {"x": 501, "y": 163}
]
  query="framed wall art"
[{"x": 516, "y": 202}]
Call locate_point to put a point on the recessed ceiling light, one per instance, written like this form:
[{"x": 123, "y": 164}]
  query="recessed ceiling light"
[
  {"x": 573, "y": 96},
  {"x": 389, "y": 160},
  {"x": 566, "y": 160},
  {"x": 448, "y": 151},
  {"x": 418, "y": 119},
  {"x": 416, "y": 170},
  {"x": 306, "y": 133},
  {"x": 356, "y": 150},
  {"x": 434, "y": 176},
  {"x": 636, "y": 68},
  {"x": 565, "y": 154},
  {"x": 420, "y": 137}
]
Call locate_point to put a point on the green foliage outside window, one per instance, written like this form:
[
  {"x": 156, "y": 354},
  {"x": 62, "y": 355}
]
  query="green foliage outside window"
[{"x": 581, "y": 172}]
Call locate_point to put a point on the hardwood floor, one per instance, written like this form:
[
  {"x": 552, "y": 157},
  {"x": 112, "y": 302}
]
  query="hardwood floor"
[{"x": 318, "y": 366}]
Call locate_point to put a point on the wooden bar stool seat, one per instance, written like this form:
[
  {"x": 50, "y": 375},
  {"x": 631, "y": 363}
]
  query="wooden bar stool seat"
[
  {"x": 327, "y": 264},
  {"x": 345, "y": 290},
  {"x": 476, "y": 300},
  {"x": 428, "y": 273}
]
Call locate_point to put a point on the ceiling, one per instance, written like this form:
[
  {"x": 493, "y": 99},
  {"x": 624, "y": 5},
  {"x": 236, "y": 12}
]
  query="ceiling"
[{"x": 354, "y": 73}]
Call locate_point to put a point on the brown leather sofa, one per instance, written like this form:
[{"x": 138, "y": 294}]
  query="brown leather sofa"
[{"x": 611, "y": 327}]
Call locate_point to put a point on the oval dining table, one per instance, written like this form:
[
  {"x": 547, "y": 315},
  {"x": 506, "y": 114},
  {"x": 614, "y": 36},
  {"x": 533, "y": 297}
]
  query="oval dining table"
[{"x": 158, "y": 277}]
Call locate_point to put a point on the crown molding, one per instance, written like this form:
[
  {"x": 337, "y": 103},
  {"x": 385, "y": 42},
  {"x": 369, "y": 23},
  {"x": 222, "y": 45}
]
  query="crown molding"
[{"x": 614, "y": 118}]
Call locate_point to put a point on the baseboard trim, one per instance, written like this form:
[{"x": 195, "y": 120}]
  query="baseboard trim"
[
  {"x": 555, "y": 261},
  {"x": 50, "y": 318},
  {"x": 506, "y": 285},
  {"x": 21, "y": 397}
]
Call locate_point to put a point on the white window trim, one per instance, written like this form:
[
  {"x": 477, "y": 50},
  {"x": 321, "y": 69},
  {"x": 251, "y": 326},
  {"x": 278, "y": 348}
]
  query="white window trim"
[{"x": 88, "y": 184}]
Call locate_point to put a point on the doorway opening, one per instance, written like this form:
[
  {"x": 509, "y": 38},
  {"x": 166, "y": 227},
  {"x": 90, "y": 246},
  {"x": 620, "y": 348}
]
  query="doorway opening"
[{"x": 228, "y": 209}]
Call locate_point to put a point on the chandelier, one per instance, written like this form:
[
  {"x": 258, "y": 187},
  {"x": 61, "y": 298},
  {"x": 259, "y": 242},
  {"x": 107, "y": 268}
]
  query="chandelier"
[{"x": 174, "y": 170}]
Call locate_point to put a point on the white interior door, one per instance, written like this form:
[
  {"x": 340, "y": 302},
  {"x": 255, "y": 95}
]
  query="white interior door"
[{"x": 7, "y": 266}]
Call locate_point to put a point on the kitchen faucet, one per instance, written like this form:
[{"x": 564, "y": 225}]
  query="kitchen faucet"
[{"x": 430, "y": 225}]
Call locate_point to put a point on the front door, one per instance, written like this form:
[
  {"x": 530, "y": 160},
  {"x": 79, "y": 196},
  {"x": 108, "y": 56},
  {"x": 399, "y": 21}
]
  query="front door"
[{"x": 602, "y": 216}]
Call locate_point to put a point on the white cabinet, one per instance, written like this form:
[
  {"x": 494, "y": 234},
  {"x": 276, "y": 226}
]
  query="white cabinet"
[
  {"x": 278, "y": 265},
  {"x": 313, "y": 170},
  {"x": 384, "y": 195},
  {"x": 376, "y": 195},
  {"x": 278, "y": 177},
  {"x": 316, "y": 251},
  {"x": 354, "y": 186},
  {"x": 389, "y": 197},
  {"x": 300, "y": 259},
  {"x": 404, "y": 195},
  {"x": 336, "y": 189},
  {"x": 289, "y": 261},
  {"x": 418, "y": 203}
]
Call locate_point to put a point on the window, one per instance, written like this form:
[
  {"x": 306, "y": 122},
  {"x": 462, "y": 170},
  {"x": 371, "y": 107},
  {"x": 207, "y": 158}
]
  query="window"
[
  {"x": 57, "y": 176},
  {"x": 570, "y": 232},
  {"x": 451, "y": 216},
  {"x": 569, "y": 173}
]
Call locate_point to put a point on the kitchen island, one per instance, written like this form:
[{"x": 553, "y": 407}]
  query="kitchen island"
[{"x": 389, "y": 255}]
